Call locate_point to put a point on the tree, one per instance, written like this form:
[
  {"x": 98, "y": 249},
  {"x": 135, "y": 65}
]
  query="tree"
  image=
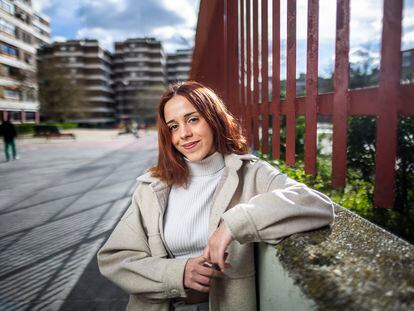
[
  {"x": 60, "y": 96},
  {"x": 147, "y": 100},
  {"x": 361, "y": 141}
]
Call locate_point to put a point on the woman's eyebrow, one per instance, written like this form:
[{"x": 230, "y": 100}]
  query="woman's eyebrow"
[{"x": 185, "y": 116}]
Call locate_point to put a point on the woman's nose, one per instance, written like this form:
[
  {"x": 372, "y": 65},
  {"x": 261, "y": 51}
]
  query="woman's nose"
[{"x": 185, "y": 131}]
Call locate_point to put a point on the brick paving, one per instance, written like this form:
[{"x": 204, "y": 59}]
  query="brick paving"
[{"x": 58, "y": 203}]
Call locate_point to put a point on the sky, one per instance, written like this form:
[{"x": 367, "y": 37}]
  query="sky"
[{"x": 174, "y": 23}]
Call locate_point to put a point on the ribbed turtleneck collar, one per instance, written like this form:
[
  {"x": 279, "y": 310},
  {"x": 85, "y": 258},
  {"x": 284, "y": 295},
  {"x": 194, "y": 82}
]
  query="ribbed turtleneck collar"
[{"x": 208, "y": 166}]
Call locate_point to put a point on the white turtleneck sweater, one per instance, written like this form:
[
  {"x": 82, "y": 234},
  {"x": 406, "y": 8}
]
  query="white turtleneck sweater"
[{"x": 188, "y": 210}]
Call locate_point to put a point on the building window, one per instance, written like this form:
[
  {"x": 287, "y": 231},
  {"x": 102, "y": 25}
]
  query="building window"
[
  {"x": 28, "y": 58},
  {"x": 63, "y": 48},
  {"x": 26, "y": 37},
  {"x": 7, "y": 27},
  {"x": 30, "y": 116},
  {"x": 7, "y": 6},
  {"x": 8, "y": 50},
  {"x": 72, "y": 48},
  {"x": 37, "y": 28},
  {"x": 31, "y": 95},
  {"x": 72, "y": 59},
  {"x": 10, "y": 94}
]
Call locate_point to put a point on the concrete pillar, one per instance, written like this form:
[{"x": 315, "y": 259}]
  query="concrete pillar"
[
  {"x": 22, "y": 116},
  {"x": 37, "y": 117}
]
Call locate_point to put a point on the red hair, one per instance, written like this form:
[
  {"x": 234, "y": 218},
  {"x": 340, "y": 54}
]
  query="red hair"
[{"x": 227, "y": 133}]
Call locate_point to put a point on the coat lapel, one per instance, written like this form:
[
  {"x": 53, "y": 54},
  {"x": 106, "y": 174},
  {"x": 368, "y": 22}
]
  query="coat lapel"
[
  {"x": 161, "y": 191},
  {"x": 225, "y": 190}
]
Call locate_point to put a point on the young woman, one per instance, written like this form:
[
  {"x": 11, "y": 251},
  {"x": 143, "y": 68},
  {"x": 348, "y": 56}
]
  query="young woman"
[{"x": 185, "y": 243}]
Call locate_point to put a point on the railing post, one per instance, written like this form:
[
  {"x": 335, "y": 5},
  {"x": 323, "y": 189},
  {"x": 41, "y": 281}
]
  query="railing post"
[
  {"x": 275, "y": 108},
  {"x": 388, "y": 102},
  {"x": 249, "y": 101},
  {"x": 255, "y": 39},
  {"x": 231, "y": 14},
  {"x": 341, "y": 96},
  {"x": 265, "y": 89},
  {"x": 311, "y": 88},
  {"x": 291, "y": 83}
]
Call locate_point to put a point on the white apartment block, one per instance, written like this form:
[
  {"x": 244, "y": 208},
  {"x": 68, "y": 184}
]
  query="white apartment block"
[
  {"x": 22, "y": 31},
  {"x": 139, "y": 78},
  {"x": 87, "y": 65},
  {"x": 179, "y": 65}
]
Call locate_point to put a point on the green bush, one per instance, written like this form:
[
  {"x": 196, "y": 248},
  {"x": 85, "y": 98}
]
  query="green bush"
[
  {"x": 25, "y": 128},
  {"x": 356, "y": 196},
  {"x": 63, "y": 125},
  {"x": 28, "y": 128}
]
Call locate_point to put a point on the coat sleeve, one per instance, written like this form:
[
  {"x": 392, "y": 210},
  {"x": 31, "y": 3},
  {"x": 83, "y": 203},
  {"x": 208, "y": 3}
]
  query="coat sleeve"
[
  {"x": 282, "y": 207},
  {"x": 126, "y": 260}
]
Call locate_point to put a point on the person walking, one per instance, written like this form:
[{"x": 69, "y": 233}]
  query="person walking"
[{"x": 9, "y": 133}]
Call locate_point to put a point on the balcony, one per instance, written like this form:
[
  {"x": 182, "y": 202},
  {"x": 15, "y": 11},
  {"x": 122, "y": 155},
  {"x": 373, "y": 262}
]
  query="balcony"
[{"x": 14, "y": 62}]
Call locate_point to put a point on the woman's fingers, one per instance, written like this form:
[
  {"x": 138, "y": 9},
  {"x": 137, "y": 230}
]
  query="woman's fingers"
[
  {"x": 217, "y": 245},
  {"x": 206, "y": 253},
  {"x": 197, "y": 276}
]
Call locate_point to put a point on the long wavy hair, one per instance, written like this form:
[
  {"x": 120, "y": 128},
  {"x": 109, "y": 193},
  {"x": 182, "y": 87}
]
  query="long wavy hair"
[{"x": 227, "y": 132}]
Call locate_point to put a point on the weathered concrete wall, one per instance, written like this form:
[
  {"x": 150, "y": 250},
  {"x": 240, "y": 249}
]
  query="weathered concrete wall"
[{"x": 354, "y": 265}]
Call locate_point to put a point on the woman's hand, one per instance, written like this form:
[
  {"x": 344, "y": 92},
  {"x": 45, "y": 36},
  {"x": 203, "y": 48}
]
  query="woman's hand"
[
  {"x": 199, "y": 277},
  {"x": 215, "y": 250}
]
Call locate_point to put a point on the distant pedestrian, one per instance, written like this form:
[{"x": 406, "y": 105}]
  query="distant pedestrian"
[{"x": 9, "y": 133}]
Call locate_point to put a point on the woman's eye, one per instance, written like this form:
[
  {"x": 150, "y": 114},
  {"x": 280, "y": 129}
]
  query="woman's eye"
[
  {"x": 173, "y": 127},
  {"x": 193, "y": 120}
]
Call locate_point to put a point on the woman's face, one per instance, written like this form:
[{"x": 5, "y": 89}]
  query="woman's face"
[{"x": 190, "y": 133}]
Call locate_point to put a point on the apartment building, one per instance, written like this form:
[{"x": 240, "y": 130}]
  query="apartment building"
[
  {"x": 88, "y": 67},
  {"x": 139, "y": 78},
  {"x": 179, "y": 65},
  {"x": 22, "y": 31}
]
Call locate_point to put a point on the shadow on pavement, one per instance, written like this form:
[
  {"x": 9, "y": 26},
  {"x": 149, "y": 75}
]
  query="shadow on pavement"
[{"x": 94, "y": 292}]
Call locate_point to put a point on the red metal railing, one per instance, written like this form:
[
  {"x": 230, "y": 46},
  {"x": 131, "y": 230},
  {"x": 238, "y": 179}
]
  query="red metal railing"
[{"x": 226, "y": 58}]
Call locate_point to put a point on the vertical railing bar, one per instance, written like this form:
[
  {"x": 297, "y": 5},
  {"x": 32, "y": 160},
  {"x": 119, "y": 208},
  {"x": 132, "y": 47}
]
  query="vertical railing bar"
[
  {"x": 232, "y": 54},
  {"x": 243, "y": 68},
  {"x": 265, "y": 88},
  {"x": 276, "y": 79},
  {"x": 388, "y": 104},
  {"x": 249, "y": 73},
  {"x": 341, "y": 96},
  {"x": 291, "y": 83},
  {"x": 311, "y": 88},
  {"x": 255, "y": 76},
  {"x": 226, "y": 55}
]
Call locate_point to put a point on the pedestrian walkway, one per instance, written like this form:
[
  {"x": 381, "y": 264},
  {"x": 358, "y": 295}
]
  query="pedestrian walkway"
[{"x": 58, "y": 204}]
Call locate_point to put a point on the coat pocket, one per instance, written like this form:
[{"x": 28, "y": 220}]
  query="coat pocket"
[
  {"x": 156, "y": 245},
  {"x": 241, "y": 258}
]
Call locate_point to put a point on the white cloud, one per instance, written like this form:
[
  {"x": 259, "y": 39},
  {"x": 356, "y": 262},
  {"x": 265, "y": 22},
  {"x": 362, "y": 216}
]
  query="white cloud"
[
  {"x": 59, "y": 38},
  {"x": 105, "y": 37},
  {"x": 41, "y": 5},
  {"x": 187, "y": 9},
  {"x": 408, "y": 27},
  {"x": 173, "y": 22}
]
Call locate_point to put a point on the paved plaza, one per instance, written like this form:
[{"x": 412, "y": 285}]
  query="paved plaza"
[{"x": 58, "y": 203}]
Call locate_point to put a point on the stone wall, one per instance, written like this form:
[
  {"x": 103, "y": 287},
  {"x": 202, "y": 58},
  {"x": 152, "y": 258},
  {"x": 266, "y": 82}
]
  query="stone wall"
[{"x": 354, "y": 265}]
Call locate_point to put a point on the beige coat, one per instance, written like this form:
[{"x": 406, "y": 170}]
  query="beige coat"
[{"x": 257, "y": 203}]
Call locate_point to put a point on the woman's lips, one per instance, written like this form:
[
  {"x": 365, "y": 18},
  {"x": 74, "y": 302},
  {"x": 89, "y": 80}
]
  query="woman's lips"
[{"x": 191, "y": 145}]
